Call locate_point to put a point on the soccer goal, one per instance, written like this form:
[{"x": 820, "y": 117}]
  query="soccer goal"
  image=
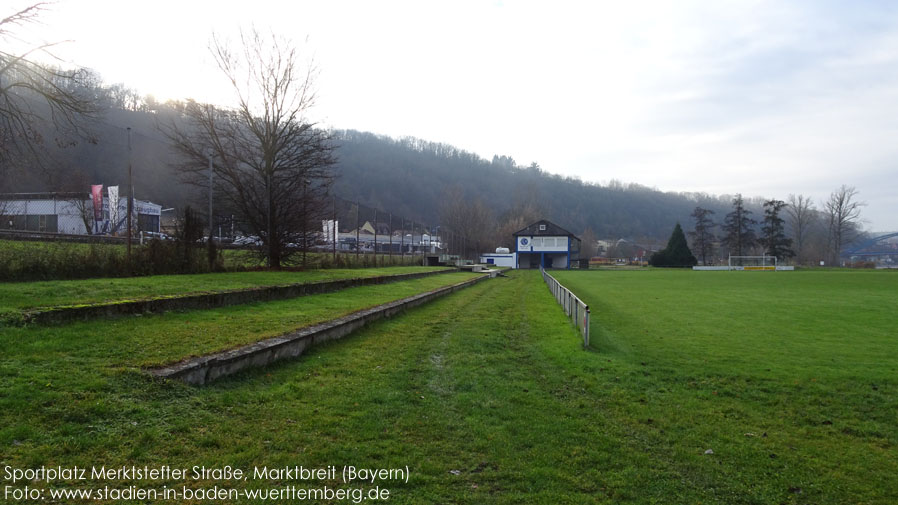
[{"x": 752, "y": 262}]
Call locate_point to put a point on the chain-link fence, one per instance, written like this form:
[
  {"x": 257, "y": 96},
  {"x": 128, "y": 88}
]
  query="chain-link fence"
[
  {"x": 376, "y": 236},
  {"x": 355, "y": 228}
]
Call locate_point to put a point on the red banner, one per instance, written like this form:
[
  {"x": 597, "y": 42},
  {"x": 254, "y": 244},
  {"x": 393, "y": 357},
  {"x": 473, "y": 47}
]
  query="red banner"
[{"x": 96, "y": 194}]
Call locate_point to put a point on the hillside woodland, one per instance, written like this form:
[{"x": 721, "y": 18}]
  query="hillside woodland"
[{"x": 426, "y": 181}]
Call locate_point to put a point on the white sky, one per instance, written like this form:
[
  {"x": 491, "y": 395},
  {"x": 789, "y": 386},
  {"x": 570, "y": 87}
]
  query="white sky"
[{"x": 765, "y": 98}]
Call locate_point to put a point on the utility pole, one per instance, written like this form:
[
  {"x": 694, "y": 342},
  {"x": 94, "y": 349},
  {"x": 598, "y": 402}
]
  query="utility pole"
[
  {"x": 357, "y": 227},
  {"x": 211, "y": 225},
  {"x": 335, "y": 232},
  {"x": 375, "y": 236},
  {"x": 130, "y": 197},
  {"x": 268, "y": 188},
  {"x": 211, "y": 244}
]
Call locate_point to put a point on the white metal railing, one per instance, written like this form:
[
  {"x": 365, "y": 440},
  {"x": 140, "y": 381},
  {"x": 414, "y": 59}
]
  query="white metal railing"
[{"x": 572, "y": 305}]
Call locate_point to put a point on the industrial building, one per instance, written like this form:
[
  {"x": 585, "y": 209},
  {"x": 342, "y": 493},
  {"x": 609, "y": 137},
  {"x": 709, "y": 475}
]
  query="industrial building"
[{"x": 74, "y": 214}]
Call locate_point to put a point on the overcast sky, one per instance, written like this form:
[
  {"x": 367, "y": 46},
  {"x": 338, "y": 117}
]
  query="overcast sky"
[{"x": 765, "y": 98}]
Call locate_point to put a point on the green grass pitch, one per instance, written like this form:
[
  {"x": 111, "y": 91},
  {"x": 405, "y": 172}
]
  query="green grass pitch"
[{"x": 789, "y": 379}]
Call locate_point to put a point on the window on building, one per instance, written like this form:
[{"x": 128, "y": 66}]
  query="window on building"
[
  {"x": 41, "y": 222},
  {"x": 147, "y": 222},
  {"x": 542, "y": 227}
]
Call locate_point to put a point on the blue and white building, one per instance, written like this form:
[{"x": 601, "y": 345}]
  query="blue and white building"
[{"x": 547, "y": 244}]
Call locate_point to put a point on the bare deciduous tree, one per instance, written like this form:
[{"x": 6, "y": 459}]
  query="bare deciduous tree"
[
  {"x": 802, "y": 215},
  {"x": 589, "y": 244},
  {"x": 84, "y": 209},
  {"x": 529, "y": 206},
  {"x": 843, "y": 212},
  {"x": 36, "y": 99},
  {"x": 469, "y": 223},
  {"x": 272, "y": 166}
]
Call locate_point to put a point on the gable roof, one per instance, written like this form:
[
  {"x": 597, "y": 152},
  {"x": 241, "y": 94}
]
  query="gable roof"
[{"x": 552, "y": 229}]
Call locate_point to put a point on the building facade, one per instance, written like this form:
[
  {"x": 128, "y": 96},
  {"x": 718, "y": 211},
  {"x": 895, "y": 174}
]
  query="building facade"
[
  {"x": 546, "y": 244},
  {"x": 73, "y": 213}
]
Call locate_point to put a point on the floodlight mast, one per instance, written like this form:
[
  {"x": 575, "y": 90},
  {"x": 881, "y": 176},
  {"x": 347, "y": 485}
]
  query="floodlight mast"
[
  {"x": 130, "y": 197},
  {"x": 209, "y": 154}
]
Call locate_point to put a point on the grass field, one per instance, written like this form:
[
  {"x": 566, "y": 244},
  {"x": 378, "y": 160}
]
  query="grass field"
[
  {"x": 487, "y": 396},
  {"x": 790, "y": 377}
]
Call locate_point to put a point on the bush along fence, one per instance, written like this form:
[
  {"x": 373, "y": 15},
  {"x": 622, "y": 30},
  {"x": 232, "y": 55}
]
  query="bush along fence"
[{"x": 573, "y": 306}]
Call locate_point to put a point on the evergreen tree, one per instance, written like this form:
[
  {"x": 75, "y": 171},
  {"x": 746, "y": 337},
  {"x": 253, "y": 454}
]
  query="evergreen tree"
[
  {"x": 738, "y": 226},
  {"x": 676, "y": 254},
  {"x": 703, "y": 236},
  {"x": 773, "y": 231}
]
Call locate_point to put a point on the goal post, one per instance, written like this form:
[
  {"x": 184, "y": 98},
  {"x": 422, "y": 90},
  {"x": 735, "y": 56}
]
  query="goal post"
[
  {"x": 752, "y": 262},
  {"x": 748, "y": 263}
]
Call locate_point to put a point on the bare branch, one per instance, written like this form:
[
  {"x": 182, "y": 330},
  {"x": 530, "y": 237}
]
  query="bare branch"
[
  {"x": 37, "y": 99},
  {"x": 270, "y": 163}
]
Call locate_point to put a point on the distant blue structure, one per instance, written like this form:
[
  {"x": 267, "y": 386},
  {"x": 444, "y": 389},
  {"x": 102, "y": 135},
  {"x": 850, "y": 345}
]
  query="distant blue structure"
[{"x": 875, "y": 246}]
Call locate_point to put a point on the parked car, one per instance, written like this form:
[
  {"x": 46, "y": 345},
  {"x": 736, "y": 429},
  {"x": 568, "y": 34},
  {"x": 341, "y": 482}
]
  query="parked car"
[
  {"x": 150, "y": 235},
  {"x": 249, "y": 240}
]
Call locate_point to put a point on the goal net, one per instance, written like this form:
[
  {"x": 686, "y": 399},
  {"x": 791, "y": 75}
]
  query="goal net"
[{"x": 752, "y": 262}]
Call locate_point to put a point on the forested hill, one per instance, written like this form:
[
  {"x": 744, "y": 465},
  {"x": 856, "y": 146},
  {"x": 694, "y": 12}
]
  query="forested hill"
[
  {"x": 411, "y": 177},
  {"x": 408, "y": 177},
  {"x": 105, "y": 159}
]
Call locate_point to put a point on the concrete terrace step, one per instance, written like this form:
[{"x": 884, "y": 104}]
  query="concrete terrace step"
[{"x": 207, "y": 368}]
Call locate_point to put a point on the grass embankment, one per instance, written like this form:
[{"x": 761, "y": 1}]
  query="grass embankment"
[
  {"x": 157, "y": 339},
  {"x": 76, "y": 292},
  {"x": 488, "y": 397},
  {"x": 250, "y": 258}
]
